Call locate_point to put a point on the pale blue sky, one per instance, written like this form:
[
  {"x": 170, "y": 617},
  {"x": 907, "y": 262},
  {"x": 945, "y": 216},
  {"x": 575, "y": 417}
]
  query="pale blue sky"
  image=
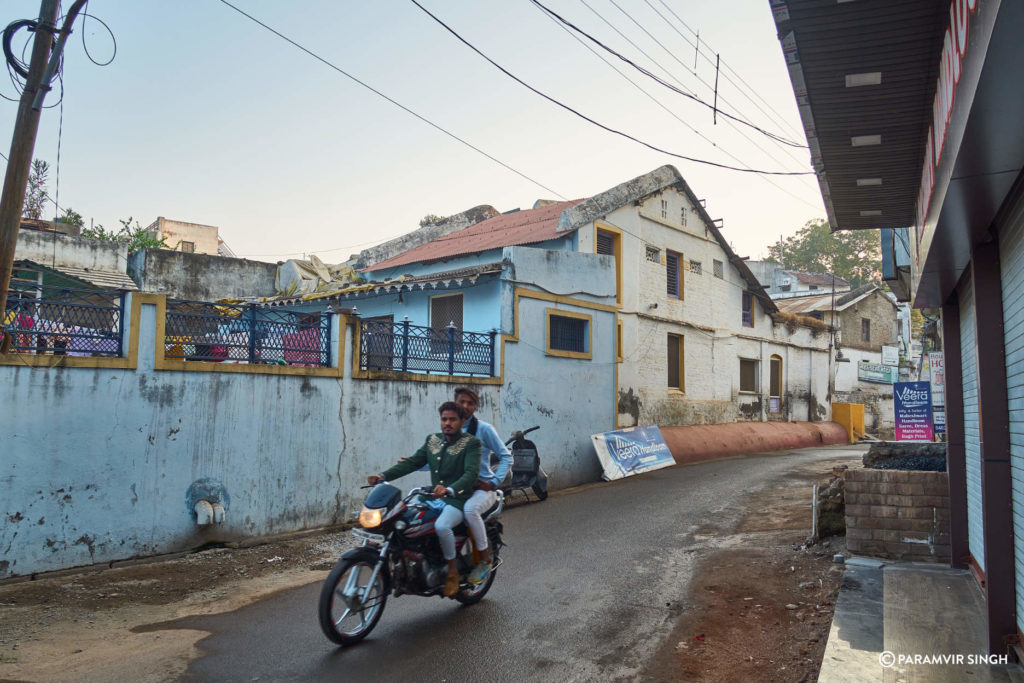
[{"x": 206, "y": 117}]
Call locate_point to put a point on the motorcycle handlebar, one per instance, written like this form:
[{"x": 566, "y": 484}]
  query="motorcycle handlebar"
[{"x": 518, "y": 434}]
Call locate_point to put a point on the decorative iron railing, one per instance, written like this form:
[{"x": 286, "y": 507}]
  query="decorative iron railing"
[
  {"x": 387, "y": 345},
  {"x": 65, "y": 322},
  {"x": 203, "y": 331}
]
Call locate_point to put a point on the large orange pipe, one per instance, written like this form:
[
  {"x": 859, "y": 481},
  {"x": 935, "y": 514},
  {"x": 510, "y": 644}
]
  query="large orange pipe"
[{"x": 694, "y": 443}]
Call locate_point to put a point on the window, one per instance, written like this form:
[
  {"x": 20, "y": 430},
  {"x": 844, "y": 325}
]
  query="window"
[
  {"x": 568, "y": 334},
  {"x": 812, "y": 286},
  {"x": 775, "y": 377},
  {"x": 719, "y": 269},
  {"x": 187, "y": 247},
  {"x": 653, "y": 254},
  {"x": 682, "y": 217},
  {"x": 664, "y": 208},
  {"x": 748, "y": 375},
  {"x": 785, "y": 288},
  {"x": 445, "y": 310},
  {"x": 609, "y": 242},
  {"x": 676, "y": 362},
  {"x": 899, "y": 328},
  {"x": 748, "y": 309},
  {"x": 618, "y": 340},
  {"x": 673, "y": 274},
  {"x": 696, "y": 268},
  {"x": 865, "y": 330}
]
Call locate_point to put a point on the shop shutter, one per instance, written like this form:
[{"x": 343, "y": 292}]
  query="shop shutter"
[
  {"x": 972, "y": 433},
  {"x": 1011, "y": 261}
]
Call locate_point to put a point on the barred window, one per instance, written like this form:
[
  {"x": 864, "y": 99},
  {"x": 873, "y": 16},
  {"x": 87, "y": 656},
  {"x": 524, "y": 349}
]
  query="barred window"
[
  {"x": 696, "y": 268},
  {"x": 568, "y": 333},
  {"x": 664, "y": 208},
  {"x": 682, "y": 217},
  {"x": 188, "y": 247},
  {"x": 719, "y": 269},
  {"x": 653, "y": 254},
  {"x": 673, "y": 276},
  {"x": 605, "y": 243}
]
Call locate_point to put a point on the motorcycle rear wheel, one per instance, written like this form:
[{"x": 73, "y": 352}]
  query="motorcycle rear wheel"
[
  {"x": 472, "y": 594},
  {"x": 345, "y": 621}
]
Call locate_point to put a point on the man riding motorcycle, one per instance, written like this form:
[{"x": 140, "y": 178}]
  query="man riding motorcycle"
[{"x": 454, "y": 461}]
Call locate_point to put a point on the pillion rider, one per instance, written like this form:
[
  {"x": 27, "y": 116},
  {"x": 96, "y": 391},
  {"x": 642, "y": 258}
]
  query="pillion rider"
[{"x": 454, "y": 460}]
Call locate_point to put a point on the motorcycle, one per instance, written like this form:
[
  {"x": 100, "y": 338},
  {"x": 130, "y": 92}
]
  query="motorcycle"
[
  {"x": 399, "y": 554},
  {"x": 526, "y": 472}
]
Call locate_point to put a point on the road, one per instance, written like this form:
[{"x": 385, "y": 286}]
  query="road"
[{"x": 593, "y": 580}]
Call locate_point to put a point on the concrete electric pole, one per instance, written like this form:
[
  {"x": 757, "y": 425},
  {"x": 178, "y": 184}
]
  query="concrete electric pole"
[{"x": 41, "y": 70}]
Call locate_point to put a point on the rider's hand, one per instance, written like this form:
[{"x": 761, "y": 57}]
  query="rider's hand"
[
  {"x": 373, "y": 479},
  {"x": 440, "y": 491},
  {"x": 484, "y": 485}
]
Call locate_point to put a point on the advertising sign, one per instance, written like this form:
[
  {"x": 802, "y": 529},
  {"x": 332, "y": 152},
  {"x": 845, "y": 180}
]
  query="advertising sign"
[
  {"x": 890, "y": 355},
  {"x": 913, "y": 404},
  {"x": 626, "y": 452},
  {"x": 876, "y": 372},
  {"x": 937, "y": 365},
  {"x": 939, "y": 417}
]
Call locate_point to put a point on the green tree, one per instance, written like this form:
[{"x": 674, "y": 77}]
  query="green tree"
[
  {"x": 432, "y": 219},
  {"x": 853, "y": 255},
  {"x": 71, "y": 217},
  {"x": 134, "y": 236},
  {"x": 36, "y": 194}
]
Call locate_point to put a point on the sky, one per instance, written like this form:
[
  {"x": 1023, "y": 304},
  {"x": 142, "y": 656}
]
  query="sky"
[{"x": 206, "y": 117}]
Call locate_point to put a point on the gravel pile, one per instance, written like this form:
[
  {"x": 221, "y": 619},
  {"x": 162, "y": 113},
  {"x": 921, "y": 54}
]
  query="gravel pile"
[{"x": 926, "y": 463}]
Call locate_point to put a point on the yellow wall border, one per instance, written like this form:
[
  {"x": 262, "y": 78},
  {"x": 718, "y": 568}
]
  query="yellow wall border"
[
  {"x": 617, "y": 235},
  {"x": 127, "y": 362},
  {"x": 162, "y": 363}
]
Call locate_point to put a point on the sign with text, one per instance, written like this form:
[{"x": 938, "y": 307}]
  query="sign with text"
[
  {"x": 890, "y": 355},
  {"x": 626, "y": 452},
  {"x": 937, "y": 367},
  {"x": 913, "y": 404},
  {"x": 939, "y": 418},
  {"x": 876, "y": 372}
]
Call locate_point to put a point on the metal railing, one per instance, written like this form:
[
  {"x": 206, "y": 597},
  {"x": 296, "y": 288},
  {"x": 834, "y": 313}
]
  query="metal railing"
[
  {"x": 66, "y": 322},
  {"x": 399, "y": 346},
  {"x": 203, "y": 331}
]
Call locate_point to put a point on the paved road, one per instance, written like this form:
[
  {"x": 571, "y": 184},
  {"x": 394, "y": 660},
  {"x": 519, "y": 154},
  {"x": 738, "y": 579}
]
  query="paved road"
[{"x": 592, "y": 581}]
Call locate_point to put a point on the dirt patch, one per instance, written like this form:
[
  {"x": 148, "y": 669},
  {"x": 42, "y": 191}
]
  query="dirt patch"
[
  {"x": 81, "y": 625},
  {"x": 761, "y": 611}
]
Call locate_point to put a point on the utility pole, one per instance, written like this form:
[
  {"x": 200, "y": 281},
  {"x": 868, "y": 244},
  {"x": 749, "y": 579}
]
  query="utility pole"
[{"x": 26, "y": 125}]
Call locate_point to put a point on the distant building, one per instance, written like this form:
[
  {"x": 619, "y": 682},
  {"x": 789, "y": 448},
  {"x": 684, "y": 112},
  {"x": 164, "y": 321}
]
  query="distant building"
[
  {"x": 781, "y": 283},
  {"x": 190, "y": 238}
]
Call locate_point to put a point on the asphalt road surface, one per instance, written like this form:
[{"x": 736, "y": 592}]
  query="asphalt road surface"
[{"x": 592, "y": 581}]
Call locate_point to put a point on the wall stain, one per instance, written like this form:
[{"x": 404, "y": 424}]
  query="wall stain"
[
  {"x": 16, "y": 517},
  {"x": 630, "y": 404}
]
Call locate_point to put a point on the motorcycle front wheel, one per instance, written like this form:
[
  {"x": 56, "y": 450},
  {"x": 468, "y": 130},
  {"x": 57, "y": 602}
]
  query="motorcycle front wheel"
[{"x": 344, "y": 617}]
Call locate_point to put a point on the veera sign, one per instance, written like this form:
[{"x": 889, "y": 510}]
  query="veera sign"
[
  {"x": 954, "y": 47},
  {"x": 913, "y": 396}
]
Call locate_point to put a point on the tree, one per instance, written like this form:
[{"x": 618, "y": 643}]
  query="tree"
[
  {"x": 853, "y": 255},
  {"x": 134, "y": 236},
  {"x": 432, "y": 219},
  {"x": 36, "y": 194},
  {"x": 71, "y": 217}
]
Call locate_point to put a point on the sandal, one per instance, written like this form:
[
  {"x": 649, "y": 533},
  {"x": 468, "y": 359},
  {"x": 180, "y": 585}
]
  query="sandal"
[
  {"x": 451, "y": 584},
  {"x": 479, "y": 573}
]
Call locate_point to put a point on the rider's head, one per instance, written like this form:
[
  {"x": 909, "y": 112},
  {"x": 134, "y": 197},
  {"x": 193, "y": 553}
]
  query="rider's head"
[
  {"x": 466, "y": 399},
  {"x": 452, "y": 418}
]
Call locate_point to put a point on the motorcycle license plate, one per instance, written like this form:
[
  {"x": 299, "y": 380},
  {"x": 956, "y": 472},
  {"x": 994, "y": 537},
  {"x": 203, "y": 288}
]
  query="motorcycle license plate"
[{"x": 367, "y": 536}]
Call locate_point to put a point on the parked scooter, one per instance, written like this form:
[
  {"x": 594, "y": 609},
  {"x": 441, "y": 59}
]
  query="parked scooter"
[
  {"x": 399, "y": 554},
  {"x": 526, "y": 473}
]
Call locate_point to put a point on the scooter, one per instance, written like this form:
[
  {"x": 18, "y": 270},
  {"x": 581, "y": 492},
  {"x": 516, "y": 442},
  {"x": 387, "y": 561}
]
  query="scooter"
[{"x": 526, "y": 473}]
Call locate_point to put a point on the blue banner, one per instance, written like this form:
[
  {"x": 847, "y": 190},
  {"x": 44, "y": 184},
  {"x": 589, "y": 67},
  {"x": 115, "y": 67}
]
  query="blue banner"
[
  {"x": 631, "y": 451},
  {"x": 913, "y": 405}
]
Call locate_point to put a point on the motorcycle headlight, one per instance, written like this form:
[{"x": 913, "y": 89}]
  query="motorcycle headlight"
[{"x": 369, "y": 518}]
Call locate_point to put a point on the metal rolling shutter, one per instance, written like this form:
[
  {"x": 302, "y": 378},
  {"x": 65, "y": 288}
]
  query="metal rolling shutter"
[
  {"x": 972, "y": 433},
  {"x": 1011, "y": 261}
]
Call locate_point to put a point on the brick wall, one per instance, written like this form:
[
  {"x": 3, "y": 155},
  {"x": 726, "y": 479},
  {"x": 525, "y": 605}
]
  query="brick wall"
[{"x": 900, "y": 515}]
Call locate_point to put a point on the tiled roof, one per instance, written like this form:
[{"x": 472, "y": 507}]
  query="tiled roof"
[
  {"x": 102, "y": 279},
  {"x": 818, "y": 278},
  {"x": 448, "y": 278},
  {"x": 507, "y": 230}
]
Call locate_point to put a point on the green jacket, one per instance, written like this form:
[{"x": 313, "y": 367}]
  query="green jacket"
[{"x": 454, "y": 465}]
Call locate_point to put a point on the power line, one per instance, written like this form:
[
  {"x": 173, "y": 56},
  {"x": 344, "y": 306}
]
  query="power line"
[
  {"x": 660, "y": 81},
  {"x": 389, "y": 99},
  {"x": 590, "y": 120},
  {"x": 780, "y": 118},
  {"x": 663, "y": 106}
]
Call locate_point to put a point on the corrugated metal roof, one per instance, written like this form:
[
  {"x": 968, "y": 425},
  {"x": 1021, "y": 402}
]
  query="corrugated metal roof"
[
  {"x": 449, "y": 278},
  {"x": 507, "y": 230},
  {"x": 102, "y": 279},
  {"x": 822, "y": 303},
  {"x": 824, "y": 42}
]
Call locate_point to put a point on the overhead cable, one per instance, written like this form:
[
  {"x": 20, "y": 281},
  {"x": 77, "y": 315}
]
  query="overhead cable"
[
  {"x": 661, "y": 81},
  {"x": 592, "y": 121},
  {"x": 391, "y": 100}
]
